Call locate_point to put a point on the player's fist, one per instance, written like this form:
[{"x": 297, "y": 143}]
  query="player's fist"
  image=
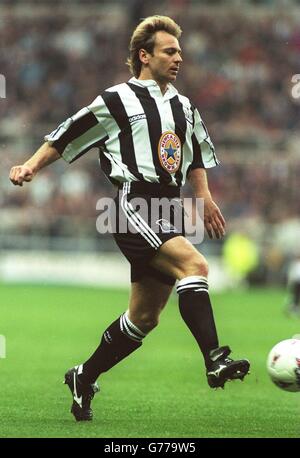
[{"x": 19, "y": 174}]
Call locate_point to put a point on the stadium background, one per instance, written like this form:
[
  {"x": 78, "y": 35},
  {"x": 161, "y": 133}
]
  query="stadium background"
[{"x": 239, "y": 59}]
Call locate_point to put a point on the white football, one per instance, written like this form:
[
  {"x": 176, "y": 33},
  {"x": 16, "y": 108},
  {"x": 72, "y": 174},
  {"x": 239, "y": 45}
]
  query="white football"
[{"x": 283, "y": 365}]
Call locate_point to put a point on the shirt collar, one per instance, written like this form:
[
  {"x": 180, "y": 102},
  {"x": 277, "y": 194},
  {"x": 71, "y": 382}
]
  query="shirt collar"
[{"x": 152, "y": 84}]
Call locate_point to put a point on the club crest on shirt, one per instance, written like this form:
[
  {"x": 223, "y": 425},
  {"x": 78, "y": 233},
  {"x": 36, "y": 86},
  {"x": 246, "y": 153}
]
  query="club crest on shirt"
[{"x": 169, "y": 151}]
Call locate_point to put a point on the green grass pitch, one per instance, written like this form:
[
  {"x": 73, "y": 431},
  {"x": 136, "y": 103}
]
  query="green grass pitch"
[{"x": 160, "y": 390}]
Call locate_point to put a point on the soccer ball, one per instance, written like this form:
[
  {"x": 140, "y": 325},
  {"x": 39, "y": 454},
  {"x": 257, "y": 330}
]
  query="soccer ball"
[{"x": 283, "y": 365}]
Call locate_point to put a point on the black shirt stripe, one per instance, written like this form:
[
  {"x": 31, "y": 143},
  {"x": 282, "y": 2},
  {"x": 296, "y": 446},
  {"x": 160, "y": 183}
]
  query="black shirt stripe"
[
  {"x": 116, "y": 108},
  {"x": 106, "y": 165},
  {"x": 77, "y": 128},
  {"x": 193, "y": 113},
  {"x": 96, "y": 144},
  {"x": 197, "y": 155},
  {"x": 180, "y": 131},
  {"x": 154, "y": 127}
]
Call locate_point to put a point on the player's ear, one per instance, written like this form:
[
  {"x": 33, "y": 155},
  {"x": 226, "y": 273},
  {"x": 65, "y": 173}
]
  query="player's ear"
[{"x": 144, "y": 56}]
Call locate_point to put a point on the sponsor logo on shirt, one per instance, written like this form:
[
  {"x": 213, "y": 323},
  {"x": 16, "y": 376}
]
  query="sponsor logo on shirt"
[{"x": 136, "y": 117}]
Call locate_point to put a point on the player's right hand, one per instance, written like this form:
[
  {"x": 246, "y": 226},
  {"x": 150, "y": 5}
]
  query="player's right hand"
[{"x": 20, "y": 173}]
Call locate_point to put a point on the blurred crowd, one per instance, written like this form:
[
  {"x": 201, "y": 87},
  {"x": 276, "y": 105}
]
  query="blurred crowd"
[{"x": 238, "y": 68}]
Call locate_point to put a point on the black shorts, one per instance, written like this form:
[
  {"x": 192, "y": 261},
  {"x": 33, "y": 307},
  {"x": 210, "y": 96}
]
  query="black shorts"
[{"x": 146, "y": 216}]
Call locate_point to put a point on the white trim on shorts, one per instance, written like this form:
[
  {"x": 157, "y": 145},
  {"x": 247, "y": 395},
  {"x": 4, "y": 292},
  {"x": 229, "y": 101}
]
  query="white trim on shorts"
[{"x": 137, "y": 221}]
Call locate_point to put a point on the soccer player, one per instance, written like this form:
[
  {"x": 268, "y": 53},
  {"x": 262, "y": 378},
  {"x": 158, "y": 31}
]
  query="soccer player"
[{"x": 151, "y": 138}]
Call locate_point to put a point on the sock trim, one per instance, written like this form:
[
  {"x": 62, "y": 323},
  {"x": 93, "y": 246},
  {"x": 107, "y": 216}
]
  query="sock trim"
[
  {"x": 195, "y": 283},
  {"x": 191, "y": 279},
  {"x": 133, "y": 326},
  {"x": 130, "y": 330}
]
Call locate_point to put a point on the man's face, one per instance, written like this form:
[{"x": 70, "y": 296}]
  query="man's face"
[{"x": 163, "y": 63}]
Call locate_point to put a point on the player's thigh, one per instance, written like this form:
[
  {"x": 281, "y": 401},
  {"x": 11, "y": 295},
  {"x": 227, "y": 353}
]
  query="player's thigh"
[
  {"x": 178, "y": 258},
  {"x": 148, "y": 298}
]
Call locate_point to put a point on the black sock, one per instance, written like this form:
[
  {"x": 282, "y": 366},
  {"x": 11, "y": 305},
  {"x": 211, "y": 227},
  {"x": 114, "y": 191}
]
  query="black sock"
[
  {"x": 196, "y": 310},
  {"x": 119, "y": 340}
]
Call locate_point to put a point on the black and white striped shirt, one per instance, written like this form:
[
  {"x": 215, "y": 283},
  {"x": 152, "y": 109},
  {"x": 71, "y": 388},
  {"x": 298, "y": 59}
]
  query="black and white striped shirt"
[{"x": 142, "y": 135}]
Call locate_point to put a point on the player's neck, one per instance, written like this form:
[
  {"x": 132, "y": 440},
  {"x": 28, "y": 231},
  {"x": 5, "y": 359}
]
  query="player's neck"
[{"x": 145, "y": 75}]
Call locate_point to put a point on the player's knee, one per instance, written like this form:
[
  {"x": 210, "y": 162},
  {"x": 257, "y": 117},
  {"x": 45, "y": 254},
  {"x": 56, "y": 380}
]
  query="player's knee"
[
  {"x": 201, "y": 267},
  {"x": 195, "y": 266},
  {"x": 146, "y": 322}
]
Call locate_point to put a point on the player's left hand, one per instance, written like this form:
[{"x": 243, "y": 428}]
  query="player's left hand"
[{"x": 214, "y": 221}]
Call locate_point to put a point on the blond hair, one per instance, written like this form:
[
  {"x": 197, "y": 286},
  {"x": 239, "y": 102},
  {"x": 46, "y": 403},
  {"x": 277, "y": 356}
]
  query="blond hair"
[{"x": 143, "y": 37}]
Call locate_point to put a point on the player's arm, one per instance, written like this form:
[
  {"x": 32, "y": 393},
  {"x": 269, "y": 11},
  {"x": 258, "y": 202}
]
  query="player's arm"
[
  {"x": 44, "y": 156},
  {"x": 70, "y": 140},
  {"x": 213, "y": 219}
]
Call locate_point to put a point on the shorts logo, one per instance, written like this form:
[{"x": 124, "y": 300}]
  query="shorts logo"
[
  {"x": 166, "y": 226},
  {"x": 169, "y": 151}
]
